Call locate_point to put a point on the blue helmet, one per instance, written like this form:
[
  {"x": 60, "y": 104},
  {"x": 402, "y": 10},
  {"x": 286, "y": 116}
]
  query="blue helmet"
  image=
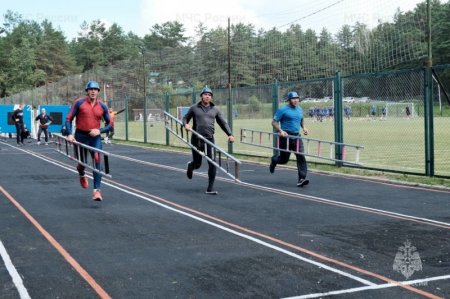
[
  {"x": 92, "y": 85},
  {"x": 206, "y": 89},
  {"x": 292, "y": 95}
]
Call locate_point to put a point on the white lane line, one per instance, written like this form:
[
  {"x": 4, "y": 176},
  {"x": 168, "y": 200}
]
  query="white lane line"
[
  {"x": 13, "y": 272},
  {"x": 297, "y": 195},
  {"x": 344, "y": 204},
  {"x": 242, "y": 235},
  {"x": 376, "y": 287},
  {"x": 248, "y": 237}
]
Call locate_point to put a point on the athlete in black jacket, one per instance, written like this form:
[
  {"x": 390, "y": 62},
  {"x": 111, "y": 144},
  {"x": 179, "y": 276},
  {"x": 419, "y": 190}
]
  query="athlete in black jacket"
[
  {"x": 204, "y": 114},
  {"x": 17, "y": 118}
]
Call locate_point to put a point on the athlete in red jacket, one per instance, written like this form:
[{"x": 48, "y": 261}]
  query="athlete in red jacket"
[{"x": 88, "y": 112}]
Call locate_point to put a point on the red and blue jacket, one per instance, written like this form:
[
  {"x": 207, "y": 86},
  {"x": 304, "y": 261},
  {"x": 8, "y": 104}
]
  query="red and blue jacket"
[{"x": 88, "y": 117}]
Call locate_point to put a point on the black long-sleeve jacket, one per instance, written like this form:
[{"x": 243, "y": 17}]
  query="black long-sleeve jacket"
[
  {"x": 17, "y": 114},
  {"x": 203, "y": 119}
]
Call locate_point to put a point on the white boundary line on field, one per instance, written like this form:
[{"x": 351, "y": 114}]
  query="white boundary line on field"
[
  {"x": 17, "y": 280},
  {"x": 376, "y": 287}
]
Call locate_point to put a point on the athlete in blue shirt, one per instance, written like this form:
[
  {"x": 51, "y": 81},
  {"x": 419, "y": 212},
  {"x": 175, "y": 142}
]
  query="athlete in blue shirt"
[{"x": 287, "y": 121}]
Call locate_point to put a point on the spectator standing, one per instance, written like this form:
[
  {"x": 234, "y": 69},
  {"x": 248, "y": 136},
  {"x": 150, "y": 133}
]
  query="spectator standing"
[
  {"x": 17, "y": 117},
  {"x": 43, "y": 121}
]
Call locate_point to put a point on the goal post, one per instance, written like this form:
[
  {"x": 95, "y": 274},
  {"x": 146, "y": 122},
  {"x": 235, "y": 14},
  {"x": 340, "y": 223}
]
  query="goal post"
[
  {"x": 399, "y": 110},
  {"x": 181, "y": 111}
]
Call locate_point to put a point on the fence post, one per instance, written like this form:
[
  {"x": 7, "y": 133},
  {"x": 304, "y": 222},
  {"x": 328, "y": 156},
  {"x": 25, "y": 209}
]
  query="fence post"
[
  {"x": 428, "y": 118},
  {"x": 126, "y": 117},
  {"x": 230, "y": 117},
  {"x": 338, "y": 124},
  {"x": 144, "y": 78},
  {"x": 166, "y": 108},
  {"x": 275, "y": 96}
]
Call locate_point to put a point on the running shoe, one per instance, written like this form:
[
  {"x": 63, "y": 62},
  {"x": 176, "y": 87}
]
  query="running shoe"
[
  {"x": 211, "y": 192},
  {"x": 84, "y": 182},
  {"x": 272, "y": 166},
  {"x": 190, "y": 169},
  {"x": 302, "y": 182},
  {"x": 97, "y": 195}
]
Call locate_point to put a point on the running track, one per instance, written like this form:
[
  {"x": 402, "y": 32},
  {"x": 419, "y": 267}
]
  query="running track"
[{"x": 157, "y": 235}]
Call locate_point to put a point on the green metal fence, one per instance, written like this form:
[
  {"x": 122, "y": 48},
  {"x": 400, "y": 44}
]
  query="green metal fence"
[{"x": 364, "y": 109}]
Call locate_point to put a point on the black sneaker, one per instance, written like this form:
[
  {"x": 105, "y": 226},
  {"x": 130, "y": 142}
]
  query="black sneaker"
[
  {"x": 302, "y": 182},
  {"x": 190, "y": 169},
  {"x": 272, "y": 166}
]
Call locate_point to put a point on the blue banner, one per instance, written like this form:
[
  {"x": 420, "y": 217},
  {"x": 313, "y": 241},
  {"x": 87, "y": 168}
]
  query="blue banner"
[
  {"x": 58, "y": 114},
  {"x": 7, "y": 123}
]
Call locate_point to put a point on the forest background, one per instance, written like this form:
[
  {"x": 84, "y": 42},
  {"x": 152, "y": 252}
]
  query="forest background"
[{"x": 34, "y": 54}]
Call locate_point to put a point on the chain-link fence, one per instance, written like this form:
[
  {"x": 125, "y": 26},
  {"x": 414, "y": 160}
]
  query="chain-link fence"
[
  {"x": 441, "y": 99},
  {"x": 384, "y": 112},
  {"x": 387, "y": 119}
]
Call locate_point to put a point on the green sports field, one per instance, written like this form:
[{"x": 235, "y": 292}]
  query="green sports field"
[{"x": 391, "y": 144}]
